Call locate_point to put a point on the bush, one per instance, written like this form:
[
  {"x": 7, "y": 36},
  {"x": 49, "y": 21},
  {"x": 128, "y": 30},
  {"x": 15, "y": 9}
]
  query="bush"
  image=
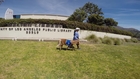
[
  {"x": 135, "y": 40},
  {"x": 101, "y": 39},
  {"x": 127, "y": 40},
  {"x": 123, "y": 40},
  {"x": 117, "y": 41},
  {"x": 96, "y": 40},
  {"x": 108, "y": 41},
  {"x": 90, "y": 37},
  {"x": 93, "y": 39}
]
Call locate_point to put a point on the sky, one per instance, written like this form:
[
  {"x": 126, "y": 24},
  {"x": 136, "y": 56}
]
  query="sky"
[{"x": 125, "y": 12}]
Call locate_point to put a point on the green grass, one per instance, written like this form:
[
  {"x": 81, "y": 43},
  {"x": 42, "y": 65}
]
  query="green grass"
[{"x": 40, "y": 60}]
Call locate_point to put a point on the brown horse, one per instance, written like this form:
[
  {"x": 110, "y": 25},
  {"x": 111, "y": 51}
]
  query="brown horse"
[{"x": 62, "y": 42}]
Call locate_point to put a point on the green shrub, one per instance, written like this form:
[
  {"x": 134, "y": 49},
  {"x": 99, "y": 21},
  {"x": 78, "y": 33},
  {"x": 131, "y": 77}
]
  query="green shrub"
[
  {"x": 90, "y": 37},
  {"x": 127, "y": 40},
  {"x": 135, "y": 40},
  {"x": 96, "y": 40},
  {"x": 123, "y": 40},
  {"x": 110, "y": 41},
  {"x": 101, "y": 39},
  {"x": 107, "y": 40},
  {"x": 93, "y": 39},
  {"x": 117, "y": 41}
]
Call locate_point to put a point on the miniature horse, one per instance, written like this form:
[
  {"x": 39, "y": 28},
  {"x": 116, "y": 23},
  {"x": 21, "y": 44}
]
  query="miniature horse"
[{"x": 67, "y": 42}]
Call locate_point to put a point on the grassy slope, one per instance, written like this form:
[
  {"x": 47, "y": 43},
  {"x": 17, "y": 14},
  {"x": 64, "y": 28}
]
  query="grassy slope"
[{"x": 40, "y": 60}]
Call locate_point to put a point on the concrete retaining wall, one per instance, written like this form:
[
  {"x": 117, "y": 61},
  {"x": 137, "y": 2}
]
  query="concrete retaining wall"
[{"x": 47, "y": 33}]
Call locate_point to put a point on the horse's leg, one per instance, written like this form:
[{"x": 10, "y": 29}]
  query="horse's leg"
[
  {"x": 61, "y": 47},
  {"x": 59, "y": 44},
  {"x": 67, "y": 48},
  {"x": 77, "y": 45},
  {"x": 73, "y": 48}
]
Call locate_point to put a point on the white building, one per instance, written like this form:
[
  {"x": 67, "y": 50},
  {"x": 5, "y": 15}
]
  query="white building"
[
  {"x": 9, "y": 14},
  {"x": 41, "y": 16}
]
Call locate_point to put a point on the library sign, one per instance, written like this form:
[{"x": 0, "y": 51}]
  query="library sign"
[{"x": 34, "y": 30}]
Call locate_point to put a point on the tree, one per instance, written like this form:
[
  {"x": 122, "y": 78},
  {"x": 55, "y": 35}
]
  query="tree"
[
  {"x": 96, "y": 19},
  {"x": 110, "y": 22},
  {"x": 91, "y": 13},
  {"x": 91, "y": 8},
  {"x": 1, "y": 19},
  {"x": 1, "y": 1},
  {"x": 82, "y": 13},
  {"x": 79, "y": 15}
]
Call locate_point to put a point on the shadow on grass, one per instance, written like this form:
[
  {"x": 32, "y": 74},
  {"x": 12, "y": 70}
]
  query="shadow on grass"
[{"x": 66, "y": 49}]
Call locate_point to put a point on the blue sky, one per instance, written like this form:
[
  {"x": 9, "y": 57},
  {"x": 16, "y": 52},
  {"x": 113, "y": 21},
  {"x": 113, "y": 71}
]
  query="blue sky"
[{"x": 125, "y": 12}]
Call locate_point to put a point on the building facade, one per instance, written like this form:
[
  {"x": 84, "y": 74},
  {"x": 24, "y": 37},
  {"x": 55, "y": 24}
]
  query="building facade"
[{"x": 41, "y": 16}]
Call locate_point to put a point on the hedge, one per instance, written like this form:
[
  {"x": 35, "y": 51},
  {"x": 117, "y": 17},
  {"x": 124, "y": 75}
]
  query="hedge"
[{"x": 66, "y": 24}]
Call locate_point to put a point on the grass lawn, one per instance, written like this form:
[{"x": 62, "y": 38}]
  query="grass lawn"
[{"x": 40, "y": 60}]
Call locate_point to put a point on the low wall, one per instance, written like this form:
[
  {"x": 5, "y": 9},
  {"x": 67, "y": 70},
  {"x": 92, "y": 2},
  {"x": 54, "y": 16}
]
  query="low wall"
[
  {"x": 84, "y": 33},
  {"x": 48, "y": 33}
]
